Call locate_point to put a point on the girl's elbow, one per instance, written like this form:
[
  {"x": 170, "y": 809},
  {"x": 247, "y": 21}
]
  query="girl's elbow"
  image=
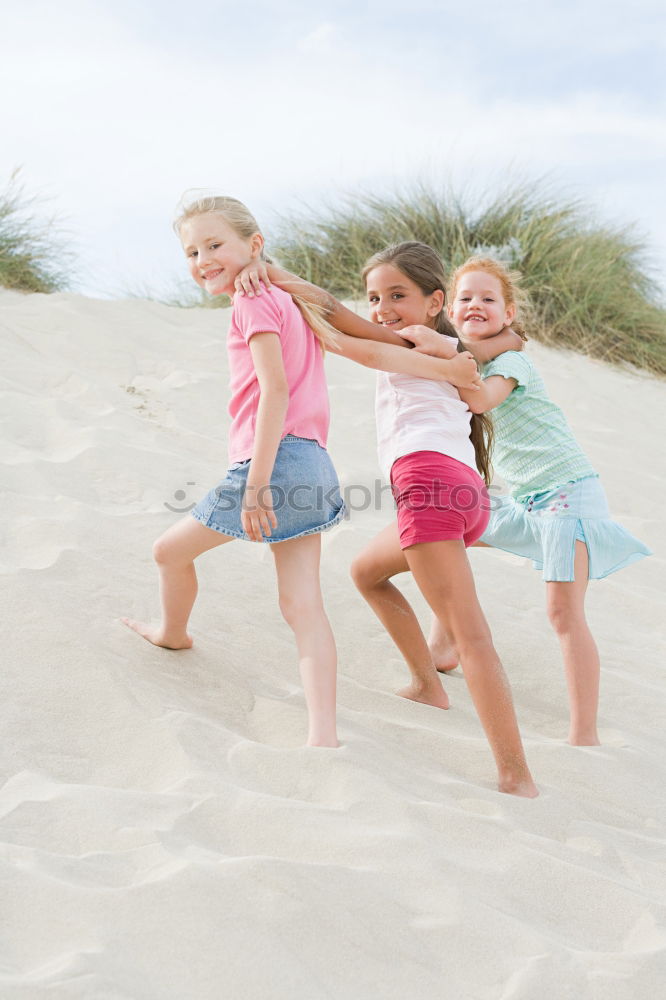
[
  {"x": 277, "y": 392},
  {"x": 477, "y": 405}
]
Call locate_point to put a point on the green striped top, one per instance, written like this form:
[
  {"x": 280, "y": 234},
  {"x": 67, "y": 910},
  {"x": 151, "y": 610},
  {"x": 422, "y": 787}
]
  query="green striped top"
[{"x": 535, "y": 449}]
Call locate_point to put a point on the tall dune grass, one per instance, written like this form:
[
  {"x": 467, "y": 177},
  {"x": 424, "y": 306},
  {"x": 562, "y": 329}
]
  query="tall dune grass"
[
  {"x": 588, "y": 283},
  {"x": 33, "y": 254}
]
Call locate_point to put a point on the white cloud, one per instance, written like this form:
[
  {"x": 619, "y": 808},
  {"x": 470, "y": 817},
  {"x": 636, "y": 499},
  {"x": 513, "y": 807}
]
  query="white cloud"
[{"x": 124, "y": 122}]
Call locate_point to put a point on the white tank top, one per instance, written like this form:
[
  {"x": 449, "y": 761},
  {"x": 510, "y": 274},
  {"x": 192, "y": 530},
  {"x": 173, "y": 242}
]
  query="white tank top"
[{"x": 420, "y": 414}]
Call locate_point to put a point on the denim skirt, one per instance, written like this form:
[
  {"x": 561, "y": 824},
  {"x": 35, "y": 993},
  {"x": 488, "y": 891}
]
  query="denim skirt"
[
  {"x": 545, "y": 526},
  {"x": 304, "y": 489}
]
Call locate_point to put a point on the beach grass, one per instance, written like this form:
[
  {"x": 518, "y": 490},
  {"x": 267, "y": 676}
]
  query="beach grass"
[
  {"x": 188, "y": 296},
  {"x": 589, "y": 284},
  {"x": 34, "y": 256},
  {"x": 183, "y": 295}
]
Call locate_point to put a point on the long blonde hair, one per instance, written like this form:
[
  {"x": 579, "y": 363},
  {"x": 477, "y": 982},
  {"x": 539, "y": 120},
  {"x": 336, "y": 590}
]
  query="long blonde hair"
[
  {"x": 240, "y": 219},
  {"x": 509, "y": 279},
  {"x": 424, "y": 267}
]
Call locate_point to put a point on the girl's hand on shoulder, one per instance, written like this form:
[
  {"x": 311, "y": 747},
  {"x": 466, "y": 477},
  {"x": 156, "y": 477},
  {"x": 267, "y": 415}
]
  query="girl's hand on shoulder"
[
  {"x": 248, "y": 281},
  {"x": 428, "y": 341},
  {"x": 517, "y": 342},
  {"x": 488, "y": 348},
  {"x": 462, "y": 372},
  {"x": 257, "y": 515}
]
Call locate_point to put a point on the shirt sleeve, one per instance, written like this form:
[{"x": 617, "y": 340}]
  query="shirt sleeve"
[
  {"x": 511, "y": 364},
  {"x": 261, "y": 314}
]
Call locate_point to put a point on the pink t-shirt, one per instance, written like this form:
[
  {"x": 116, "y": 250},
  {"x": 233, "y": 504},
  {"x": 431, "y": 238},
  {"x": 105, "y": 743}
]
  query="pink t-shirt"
[{"x": 308, "y": 412}]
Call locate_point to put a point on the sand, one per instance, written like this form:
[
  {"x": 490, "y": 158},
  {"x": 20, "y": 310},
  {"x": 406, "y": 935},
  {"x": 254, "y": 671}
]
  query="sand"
[{"x": 165, "y": 834}]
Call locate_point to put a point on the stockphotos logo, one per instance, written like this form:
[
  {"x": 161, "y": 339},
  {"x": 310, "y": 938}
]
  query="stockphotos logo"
[{"x": 358, "y": 497}]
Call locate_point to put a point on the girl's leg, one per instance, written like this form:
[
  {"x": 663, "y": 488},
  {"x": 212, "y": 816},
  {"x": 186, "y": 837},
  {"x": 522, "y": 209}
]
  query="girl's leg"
[
  {"x": 175, "y": 552},
  {"x": 302, "y": 606},
  {"x": 442, "y": 647},
  {"x": 566, "y": 610},
  {"x": 444, "y": 576},
  {"x": 371, "y": 572}
]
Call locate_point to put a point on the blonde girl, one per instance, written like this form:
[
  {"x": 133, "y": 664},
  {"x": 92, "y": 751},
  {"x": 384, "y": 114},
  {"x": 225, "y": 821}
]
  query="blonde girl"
[
  {"x": 557, "y": 513},
  {"x": 280, "y": 487},
  {"x": 425, "y": 447}
]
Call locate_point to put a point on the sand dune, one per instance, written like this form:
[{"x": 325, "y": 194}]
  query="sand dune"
[{"x": 164, "y": 834}]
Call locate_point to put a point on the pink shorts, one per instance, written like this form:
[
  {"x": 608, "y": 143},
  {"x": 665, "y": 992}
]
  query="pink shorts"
[{"x": 438, "y": 498}]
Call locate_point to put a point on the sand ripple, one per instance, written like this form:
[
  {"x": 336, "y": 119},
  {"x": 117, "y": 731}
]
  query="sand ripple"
[{"x": 163, "y": 833}]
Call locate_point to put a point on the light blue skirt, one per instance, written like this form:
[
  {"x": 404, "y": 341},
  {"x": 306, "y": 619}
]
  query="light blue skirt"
[
  {"x": 544, "y": 527},
  {"x": 304, "y": 489}
]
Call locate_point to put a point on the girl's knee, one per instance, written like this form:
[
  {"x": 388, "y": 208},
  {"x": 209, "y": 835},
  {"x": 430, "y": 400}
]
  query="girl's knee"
[
  {"x": 364, "y": 573},
  {"x": 357, "y": 572},
  {"x": 473, "y": 642},
  {"x": 163, "y": 551},
  {"x": 563, "y": 616}
]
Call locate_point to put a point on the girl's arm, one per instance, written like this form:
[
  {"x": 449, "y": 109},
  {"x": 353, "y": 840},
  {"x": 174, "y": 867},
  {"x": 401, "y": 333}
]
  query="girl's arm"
[
  {"x": 257, "y": 515},
  {"x": 488, "y": 348},
  {"x": 376, "y": 346},
  {"x": 460, "y": 370},
  {"x": 429, "y": 342},
  {"x": 493, "y": 391},
  {"x": 343, "y": 319}
]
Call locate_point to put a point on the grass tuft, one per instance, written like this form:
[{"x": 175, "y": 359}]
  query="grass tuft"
[
  {"x": 588, "y": 284},
  {"x": 33, "y": 256},
  {"x": 185, "y": 295}
]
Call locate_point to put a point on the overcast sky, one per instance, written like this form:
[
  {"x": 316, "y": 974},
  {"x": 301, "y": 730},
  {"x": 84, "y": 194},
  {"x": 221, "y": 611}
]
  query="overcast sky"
[{"x": 114, "y": 108}]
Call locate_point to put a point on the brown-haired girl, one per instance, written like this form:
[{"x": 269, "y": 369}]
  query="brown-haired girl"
[{"x": 423, "y": 427}]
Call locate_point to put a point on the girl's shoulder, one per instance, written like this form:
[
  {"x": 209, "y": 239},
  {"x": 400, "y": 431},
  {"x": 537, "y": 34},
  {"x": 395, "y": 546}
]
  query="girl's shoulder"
[
  {"x": 269, "y": 307},
  {"x": 512, "y": 356},
  {"x": 417, "y": 385}
]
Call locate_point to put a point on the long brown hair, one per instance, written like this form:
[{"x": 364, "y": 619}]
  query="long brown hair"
[
  {"x": 424, "y": 267},
  {"x": 240, "y": 219}
]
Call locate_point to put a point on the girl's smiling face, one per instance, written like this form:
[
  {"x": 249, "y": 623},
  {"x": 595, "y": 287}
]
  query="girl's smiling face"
[
  {"x": 396, "y": 301},
  {"x": 215, "y": 252},
  {"x": 478, "y": 309}
]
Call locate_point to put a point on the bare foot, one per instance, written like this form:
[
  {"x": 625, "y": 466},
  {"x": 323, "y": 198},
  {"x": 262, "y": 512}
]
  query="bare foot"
[
  {"x": 430, "y": 694},
  {"x": 323, "y": 743},
  {"x": 154, "y": 634},
  {"x": 444, "y": 653},
  {"x": 522, "y": 786}
]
